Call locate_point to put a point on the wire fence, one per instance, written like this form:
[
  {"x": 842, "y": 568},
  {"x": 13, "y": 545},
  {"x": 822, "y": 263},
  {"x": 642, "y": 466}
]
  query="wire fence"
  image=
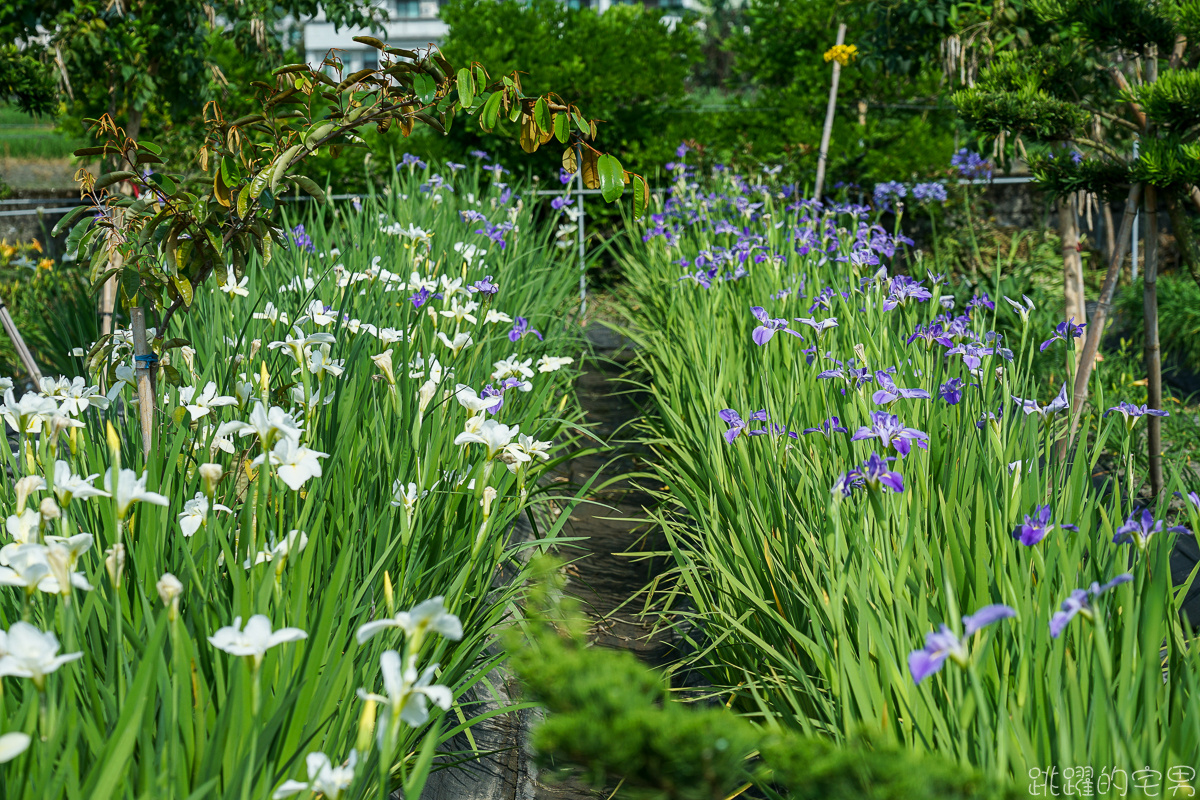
[{"x": 578, "y": 193}]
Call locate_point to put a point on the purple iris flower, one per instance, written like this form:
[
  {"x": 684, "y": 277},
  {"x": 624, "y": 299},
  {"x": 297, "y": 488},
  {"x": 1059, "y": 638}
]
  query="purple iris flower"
[
  {"x": 472, "y": 216},
  {"x": 489, "y": 391},
  {"x": 993, "y": 418},
  {"x": 875, "y": 473},
  {"x": 559, "y": 203},
  {"x": 887, "y": 429},
  {"x": 1066, "y": 331},
  {"x": 821, "y": 326},
  {"x": 738, "y": 426},
  {"x": 971, "y": 165},
  {"x": 1079, "y": 602},
  {"x": 903, "y": 289},
  {"x": 890, "y": 392},
  {"x": 767, "y": 327},
  {"x": 520, "y": 328},
  {"x": 357, "y": 203},
  {"x": 1059, "y": 403},
  {"x": 1133, "y": 413},
  {"x": 410, "y": 160},
  {"x": 1022, "y": 310},
  {"x": 1139, "y": 528},
  {"x": 1036, "y": 526},
  {"x": 933, "y": 332},
  {"x": 951, "y": 391},
  {"x": 682, "y": 150},
  {"x": 420, "y": 297},
  {"x": 929, "y": 192},
  {"x": 479, "y": 154},
  {"x": 455, "y": 167},
  {"x": 497, "y": 171},
  {"x": 981, "y": 301},
  {"x": 828, "y": 427},
  {"x": 302, "y": 239},
  {"x": 484, "y": 286},
  {"x": 846, "y": 483},
  {"x": 564, "y": 177},
  {"x": 944, "y": 643}
]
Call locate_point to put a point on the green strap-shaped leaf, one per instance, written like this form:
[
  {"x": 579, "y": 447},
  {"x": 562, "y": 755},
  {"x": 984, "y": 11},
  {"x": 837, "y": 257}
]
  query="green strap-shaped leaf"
[
  {"x": 114, "y": 762},
  {"x": 612, "y": 177}
]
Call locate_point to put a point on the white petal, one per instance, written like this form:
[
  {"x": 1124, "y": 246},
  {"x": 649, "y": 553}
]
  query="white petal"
[
  {"x": 371, "y": 628},
  {"x": 12, "y": 745}
]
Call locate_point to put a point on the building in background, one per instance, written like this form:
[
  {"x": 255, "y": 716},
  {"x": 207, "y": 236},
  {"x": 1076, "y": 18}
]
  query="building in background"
[{"x": 413, "y": 24}]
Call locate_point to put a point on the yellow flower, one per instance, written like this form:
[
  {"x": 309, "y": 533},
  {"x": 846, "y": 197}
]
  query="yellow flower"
[
  {"x": 35, "y": 245},
  {"x": 46, "y": 263},
  {"x": 842, "y": 53}
]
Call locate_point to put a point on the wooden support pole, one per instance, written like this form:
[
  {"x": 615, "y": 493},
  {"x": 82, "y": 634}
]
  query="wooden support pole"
[
  {"x": 1095, "y": 329},
  {"x": 823, "y": 154},
  {"x": 144, "y": 360},
  {"x": 1153, "y": 351}
]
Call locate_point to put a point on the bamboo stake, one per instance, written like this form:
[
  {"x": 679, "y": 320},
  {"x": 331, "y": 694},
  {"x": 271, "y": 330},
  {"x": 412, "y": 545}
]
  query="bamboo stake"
[
  {"x": 828, "y": 130},
  {"x": 1153, "y": 350},
  {"x": 144, "y": 359},
  {"x": 19, "y": 345},
  {"x": 1095, "y": 329}
]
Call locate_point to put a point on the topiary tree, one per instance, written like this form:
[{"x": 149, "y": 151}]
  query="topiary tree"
[
  {"x": 213, "y": 217},
  {"x": 1076, "y": 100}
]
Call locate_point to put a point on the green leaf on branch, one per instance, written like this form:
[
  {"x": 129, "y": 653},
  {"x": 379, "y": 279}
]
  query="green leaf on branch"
[
  {"x": 108, "y": 179},
  {"x": 541, "y": 115},
  {"x": 309, "y": 186},
  {"x": 70, "y": 219},
  {"x": 641, "y": 196},
  {"x": 612, "y": 177},
  {"x": 425, "y": 87},
  {"x": 466, "y": 87},
  {"x": 490, "y": 115},
  {"x": 562, "y": 127}
]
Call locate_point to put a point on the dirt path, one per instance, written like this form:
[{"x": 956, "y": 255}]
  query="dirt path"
[{"x": 607, "y": 584}]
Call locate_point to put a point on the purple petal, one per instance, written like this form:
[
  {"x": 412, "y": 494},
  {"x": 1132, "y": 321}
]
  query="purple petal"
[
  {"x": 922, "y": 664},
  {"x": 1117, "y": 581},
  {"x": 986, "y": 616},
  {"x": 759, "y": 313},
  {"x": 893, "y": 480},
  {"x": 1060, "y": 621},
  {"x": 762, "y": 335}
]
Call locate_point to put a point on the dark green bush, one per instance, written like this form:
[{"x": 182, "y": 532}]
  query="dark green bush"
[{"x": 611, "y": 717}]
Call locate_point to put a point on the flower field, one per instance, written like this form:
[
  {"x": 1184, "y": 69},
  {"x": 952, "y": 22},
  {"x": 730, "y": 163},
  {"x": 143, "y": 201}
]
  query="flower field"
[
  {"x": 881, "y": 521},
  {"x": 299, "y": 581}
]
